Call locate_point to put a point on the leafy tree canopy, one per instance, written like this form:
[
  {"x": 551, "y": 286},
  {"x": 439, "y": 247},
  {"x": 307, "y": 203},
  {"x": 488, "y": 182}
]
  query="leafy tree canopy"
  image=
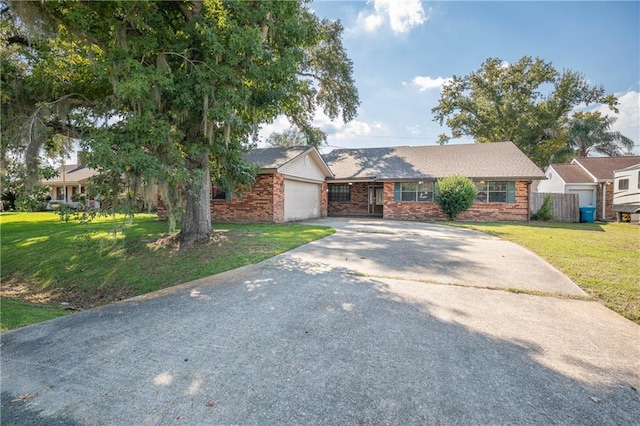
[
  {"x": 286, "y": 138},
  {"x": 178, "y": 88},
  {"x": 521, "y": 102},
  {"x": 589, "y": 132}
]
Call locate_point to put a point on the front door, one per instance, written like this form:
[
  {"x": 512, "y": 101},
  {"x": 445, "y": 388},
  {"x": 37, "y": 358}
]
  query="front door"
[{"x": 375, "y": 200}]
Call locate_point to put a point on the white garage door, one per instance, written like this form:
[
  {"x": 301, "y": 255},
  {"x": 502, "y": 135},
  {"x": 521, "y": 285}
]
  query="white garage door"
[
  {"x": 585, "y": 195},
  {"x": 301, "y": 200}
]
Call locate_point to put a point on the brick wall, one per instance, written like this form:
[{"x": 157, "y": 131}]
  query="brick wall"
[
  {"x": 324, "y": 200},
  {"x": 264, "y": 203},
  {"x": 609, "y": 213},
  {"x": 518, "y": 211},
  {"x": 357, "y": 206},
  {"x": 278, "y": 198},
  {"x": 162, "y": 208}
]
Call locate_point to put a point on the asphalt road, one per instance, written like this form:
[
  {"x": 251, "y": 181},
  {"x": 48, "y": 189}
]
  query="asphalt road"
[{"x": 380, "y": 323}]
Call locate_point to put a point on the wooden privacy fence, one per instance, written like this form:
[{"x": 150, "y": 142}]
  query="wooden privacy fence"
[{"x": 565, "y": 206}]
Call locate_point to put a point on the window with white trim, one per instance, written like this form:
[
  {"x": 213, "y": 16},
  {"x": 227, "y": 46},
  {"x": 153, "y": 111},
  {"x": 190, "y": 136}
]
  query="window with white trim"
[
  {"x": 416, "y": 191},
  {"x": 495, "y": 192}
]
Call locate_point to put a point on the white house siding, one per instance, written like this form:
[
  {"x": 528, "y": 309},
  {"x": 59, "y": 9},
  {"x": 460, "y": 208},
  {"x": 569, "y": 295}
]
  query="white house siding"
[
  {"x": 301, "y": 200},
  {"x": 553, "y": 182},
  {"x": 302, "y": 169}
]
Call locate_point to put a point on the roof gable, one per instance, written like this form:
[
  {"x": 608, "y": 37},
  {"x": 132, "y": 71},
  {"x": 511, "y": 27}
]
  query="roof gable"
[
  {"x": 572, "y": 173},
  {"x": 602, "y": 168},
  {"x": 73, "y": 174},
  {"x": 500, "y": 160},
  {"x": 274, "y": 159}
]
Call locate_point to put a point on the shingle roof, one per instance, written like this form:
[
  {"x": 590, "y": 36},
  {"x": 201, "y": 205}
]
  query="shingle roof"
[
  {"x": 634, "y": 167},
  {"x": 602, "y": 167},
  {"x": 487, "y": 160},
  {"x": 75, "y": 173},
  {"x": 572, "y": 173},
  {"x": 272, "y": 158}
]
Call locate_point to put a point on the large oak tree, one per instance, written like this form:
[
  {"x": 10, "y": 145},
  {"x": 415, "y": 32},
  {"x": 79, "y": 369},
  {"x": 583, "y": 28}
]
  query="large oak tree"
[
  {"x": 191, "y": 81},
  {"x": 524, "y": 102}
]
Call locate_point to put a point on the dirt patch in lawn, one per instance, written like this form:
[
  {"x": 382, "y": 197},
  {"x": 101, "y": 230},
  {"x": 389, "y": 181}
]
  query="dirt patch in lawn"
[
  {"x": 173, "y": 244},
  {"x": 15, "y": 289}
]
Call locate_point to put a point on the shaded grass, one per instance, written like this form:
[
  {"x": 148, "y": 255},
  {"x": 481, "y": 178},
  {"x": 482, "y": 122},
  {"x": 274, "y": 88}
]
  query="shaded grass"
[
  {"x": 86, "y": 265},
  {"x": 14, "y": 313},
  {"x": 602, "y": 258}
]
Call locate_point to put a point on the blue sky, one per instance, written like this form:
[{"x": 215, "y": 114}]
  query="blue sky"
[{"x": 404, "y": 50}]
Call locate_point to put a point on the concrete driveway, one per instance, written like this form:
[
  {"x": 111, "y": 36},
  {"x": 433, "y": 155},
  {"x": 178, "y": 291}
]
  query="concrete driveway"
[{"x": 381, "y": 323}]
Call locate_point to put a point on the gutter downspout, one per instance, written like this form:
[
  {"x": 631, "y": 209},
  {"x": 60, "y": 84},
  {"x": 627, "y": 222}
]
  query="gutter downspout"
[
  {"x": 604, "y": 201},
  {"x": 529, "y": 200}
]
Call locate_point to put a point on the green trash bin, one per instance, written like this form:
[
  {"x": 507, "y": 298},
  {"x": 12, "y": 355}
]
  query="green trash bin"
[{"x": 587, "y": 214}]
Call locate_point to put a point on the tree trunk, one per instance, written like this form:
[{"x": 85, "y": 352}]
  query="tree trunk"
[{"x": 196, "y": 222}]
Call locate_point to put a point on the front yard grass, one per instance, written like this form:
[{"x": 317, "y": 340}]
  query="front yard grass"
[
  {"x": 602, "y": 258},
  {"x": 46, "y": 262}
]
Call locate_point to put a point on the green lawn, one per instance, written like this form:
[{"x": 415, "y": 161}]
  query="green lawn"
[
  {"x": 602, "y": 258},
  {"x": 48, "y": 262},
  {"x": 14, "y": 313}
]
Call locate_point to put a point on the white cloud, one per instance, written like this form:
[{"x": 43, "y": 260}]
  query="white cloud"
[
  {"x": 336, "y": 130},
  {"x": 400, "y": 15},
  {"x": 628, "y": 119},
  {"x": 428, "y": 83},
  {"x": 628, "y": 122},
  {"x": 371, "y": 22},
  {"x": 414, "y": 130}
]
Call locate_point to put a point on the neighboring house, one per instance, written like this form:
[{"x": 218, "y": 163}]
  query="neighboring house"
[
  {"x": 72, "y": 179},
  {"x": 626, "y": 194},
  {"x": 291, "y": 185},
  {"x": 399, "y": 182},
  {"x": 589, "y": 177}
]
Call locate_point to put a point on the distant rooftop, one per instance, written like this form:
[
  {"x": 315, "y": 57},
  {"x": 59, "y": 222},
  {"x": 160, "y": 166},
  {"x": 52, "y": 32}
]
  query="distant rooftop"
[
  {"x": 73, "y": 174},
  {"x": 603, "y": 167}
]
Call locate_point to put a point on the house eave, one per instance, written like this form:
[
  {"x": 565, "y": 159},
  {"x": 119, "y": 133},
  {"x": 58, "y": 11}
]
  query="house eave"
[
  {"x": 311, "y": 151},
  {"x": 431, "y": 179}
]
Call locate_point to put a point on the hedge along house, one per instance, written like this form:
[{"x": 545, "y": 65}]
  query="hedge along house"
[
  {"x": 291, "y": 185},
  {"x": 399, "y": 182}
]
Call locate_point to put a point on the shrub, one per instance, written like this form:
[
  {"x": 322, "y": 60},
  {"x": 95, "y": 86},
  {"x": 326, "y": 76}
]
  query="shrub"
[
  {"x": 546, "y": 209},
  {"x": 455, "y": 194}
]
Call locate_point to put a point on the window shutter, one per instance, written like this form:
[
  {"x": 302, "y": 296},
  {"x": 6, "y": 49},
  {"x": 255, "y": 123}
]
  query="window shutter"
[
  {"x": 511, "y": 192},
  {"x": 396, "y": 192}
]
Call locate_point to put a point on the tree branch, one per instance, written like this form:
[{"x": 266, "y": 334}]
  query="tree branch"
[{"x": 312, "y": 75}]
